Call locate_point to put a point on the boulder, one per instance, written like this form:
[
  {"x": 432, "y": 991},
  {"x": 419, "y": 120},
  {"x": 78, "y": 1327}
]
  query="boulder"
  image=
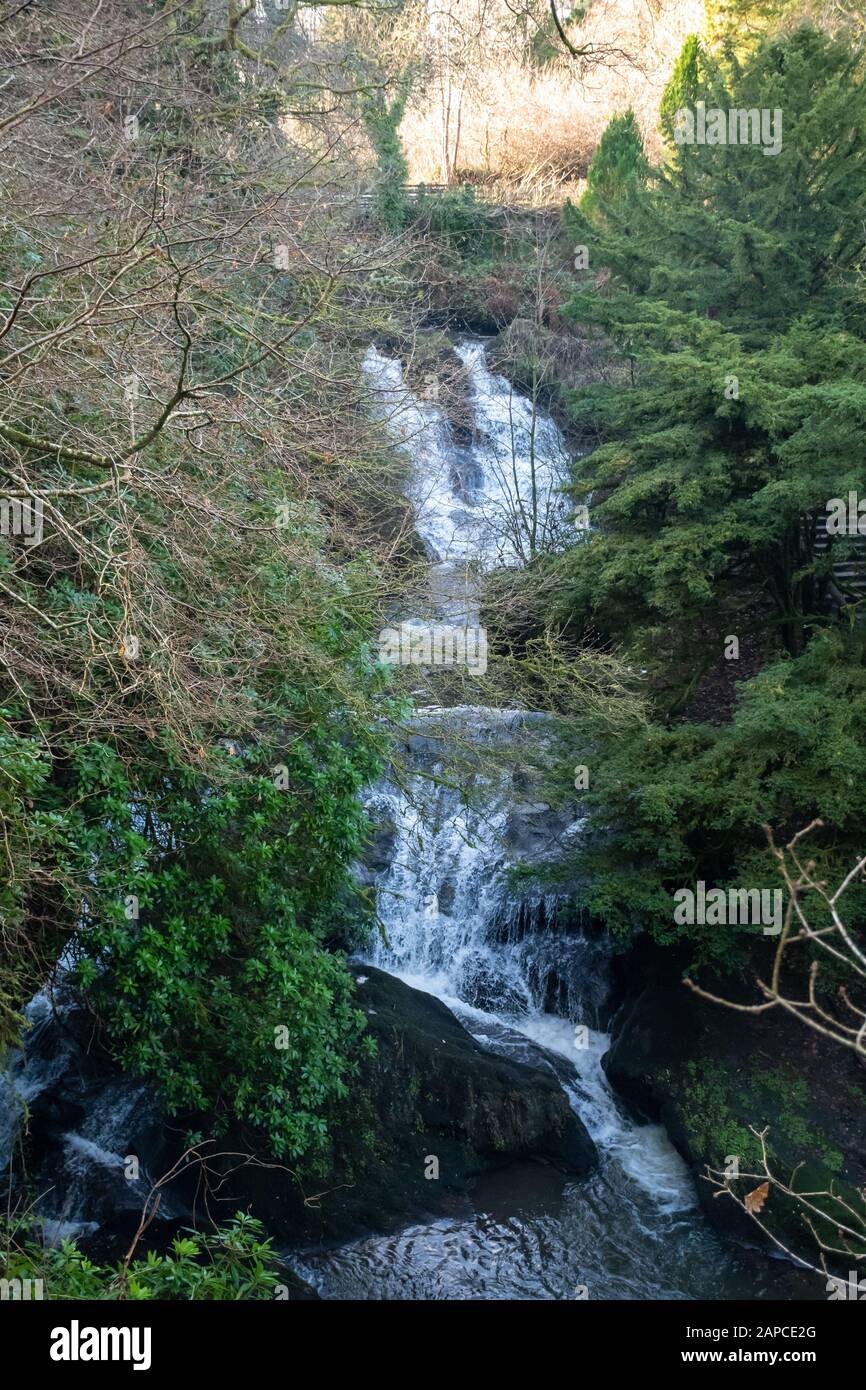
[{"x": 431, "y": 1112}]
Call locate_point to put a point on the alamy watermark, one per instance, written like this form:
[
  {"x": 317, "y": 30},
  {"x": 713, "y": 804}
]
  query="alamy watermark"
[
  {"x": 738, "y": 126},
  {"x": 21, "y": 1290},
  {"x": 846, "y": 516},
  {"x": 77, "y": 1343},
  {"x": 21, "y": 516},
  {"x": 415, "y": 644},
  {"x": 853, "y": 1288},
  {"x": 719, "y": 907}
]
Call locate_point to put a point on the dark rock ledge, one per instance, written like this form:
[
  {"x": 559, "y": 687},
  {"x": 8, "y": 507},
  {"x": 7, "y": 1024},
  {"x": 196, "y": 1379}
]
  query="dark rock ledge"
[{"x": 429, "y": 1092}]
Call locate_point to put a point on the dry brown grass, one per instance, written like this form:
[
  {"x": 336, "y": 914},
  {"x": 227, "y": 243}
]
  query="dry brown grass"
[{"x": 533, "y": 131}]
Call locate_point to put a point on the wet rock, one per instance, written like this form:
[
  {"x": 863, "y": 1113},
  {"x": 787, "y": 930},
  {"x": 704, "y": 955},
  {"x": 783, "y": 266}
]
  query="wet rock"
[
  {"x": 429, "y": 1114},
  {"x": 433, "y": 1093},
  {"x": 536, "y": 830},
  {"x": 430, "y": 1070}
]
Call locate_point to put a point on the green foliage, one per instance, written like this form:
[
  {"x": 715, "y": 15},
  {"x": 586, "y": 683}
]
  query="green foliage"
[
  {"x": 179, "y": 813},
  {"x": 240, "y": 868},
  {"x": 618, "y": 160},
  {"x": 233, "y": 1262},
  {"x": 670, "y": 804},
  {"x": 682, "y": 88},
  {"x": 28, "y": 834},
  {"x": 708, "y": 1119},
  {"x": 457, "y": 218},
  {"x": 734, "y": 409},
  {"x": 732, "y": 283},
  {"x": 205, "y": 879},
  {"x": 382, "y": 124},
  {"x": 721, "y": 1108}
]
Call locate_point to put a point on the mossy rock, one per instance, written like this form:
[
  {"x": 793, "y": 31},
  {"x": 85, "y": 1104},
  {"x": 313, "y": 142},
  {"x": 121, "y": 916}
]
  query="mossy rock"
[{"x": 713, "y": 1076}]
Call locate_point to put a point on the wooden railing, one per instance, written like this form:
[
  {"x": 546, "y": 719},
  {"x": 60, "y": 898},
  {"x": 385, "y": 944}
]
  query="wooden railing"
[{"x": 849, "y": 574}]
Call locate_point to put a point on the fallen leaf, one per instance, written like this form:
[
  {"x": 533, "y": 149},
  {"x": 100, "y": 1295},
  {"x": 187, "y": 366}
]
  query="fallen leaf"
[{"x": 755, "y": 1200}]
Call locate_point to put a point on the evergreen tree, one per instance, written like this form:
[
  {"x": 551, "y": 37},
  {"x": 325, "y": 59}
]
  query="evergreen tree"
[
  {"x": 737, "y": 410},
  {"x": 682, "y": 86},
  {"x": 742, "y": 398},
  {"x": 618, "y": 160}
]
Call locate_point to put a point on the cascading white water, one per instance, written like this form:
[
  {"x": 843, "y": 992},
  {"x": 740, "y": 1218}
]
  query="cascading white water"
[
  {"x": 454, "y": 928},
  {"x": 444, "y": 895},
  {"x": 518, "y": 980},
  {"x": 444, "y": 901},
  {"x": 522, "y": 462},
  {"x": 88, "y": 1136},
  {"x": 495, "y": 501}
]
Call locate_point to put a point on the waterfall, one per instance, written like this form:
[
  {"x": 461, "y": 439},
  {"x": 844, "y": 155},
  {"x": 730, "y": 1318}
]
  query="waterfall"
[
  {"x": 451, "y": 922},
  {"x": 521, "y": 975},
  {"x": 494, "y": 501},
  {"x": 444, "y": 898}
]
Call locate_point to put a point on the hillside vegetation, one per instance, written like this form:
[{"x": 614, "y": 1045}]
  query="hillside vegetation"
[{"x": 206, "y": 224}]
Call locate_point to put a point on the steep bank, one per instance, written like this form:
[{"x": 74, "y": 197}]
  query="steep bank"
[
  {"x": 711, "y": 1077},
  {"x": 504, "y": 1098}
]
